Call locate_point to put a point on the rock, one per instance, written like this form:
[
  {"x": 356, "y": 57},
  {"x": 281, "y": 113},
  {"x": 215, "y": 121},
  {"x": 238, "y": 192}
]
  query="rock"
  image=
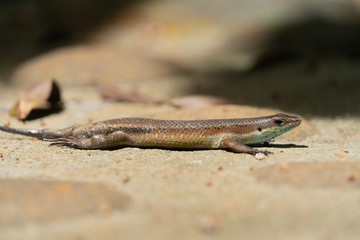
[{"x": 84, "y": 64}]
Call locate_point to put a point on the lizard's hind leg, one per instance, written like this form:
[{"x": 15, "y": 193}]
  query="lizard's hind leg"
[{"x": 116, "y": 139}]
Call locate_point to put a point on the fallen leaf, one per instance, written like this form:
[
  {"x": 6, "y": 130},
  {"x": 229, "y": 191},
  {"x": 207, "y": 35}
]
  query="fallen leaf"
[
  {"x": 44, "y": 96},
  {"x": 198, "y": 101},
  {"x": 111, "y": 92}
]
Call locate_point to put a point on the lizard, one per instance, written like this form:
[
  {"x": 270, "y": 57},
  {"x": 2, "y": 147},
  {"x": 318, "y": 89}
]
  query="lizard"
[{"x": 234, "y": 134}]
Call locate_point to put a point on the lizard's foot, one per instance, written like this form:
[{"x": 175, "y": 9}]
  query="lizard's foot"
[
  {"x": 69, "y": 142},
  {"x": 255, "y": 151}
]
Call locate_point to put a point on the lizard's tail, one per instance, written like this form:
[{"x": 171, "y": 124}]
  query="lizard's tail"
[{"x": 27, "y": 132}]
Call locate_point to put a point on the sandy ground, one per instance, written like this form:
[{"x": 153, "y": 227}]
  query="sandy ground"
[{"x": 307, "y": 189}]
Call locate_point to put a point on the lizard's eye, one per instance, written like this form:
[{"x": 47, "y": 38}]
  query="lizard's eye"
[{"x": 278, "y": 122}]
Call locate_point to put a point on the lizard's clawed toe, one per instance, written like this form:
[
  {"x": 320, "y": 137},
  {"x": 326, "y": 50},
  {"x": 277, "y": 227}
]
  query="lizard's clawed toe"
[
  {"x": 266, "y": 152},
  {"x": 63, "y": 142}
]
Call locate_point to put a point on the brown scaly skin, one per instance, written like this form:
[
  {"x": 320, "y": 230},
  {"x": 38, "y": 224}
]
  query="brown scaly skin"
[{"x": 142, "y": 132}]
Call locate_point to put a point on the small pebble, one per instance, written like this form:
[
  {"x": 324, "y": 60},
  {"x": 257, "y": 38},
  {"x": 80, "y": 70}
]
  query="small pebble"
[
  {"x": 6, "y": 123},
  {"x": 125, "y": 178},
  {"x": 259, "y": 156},
  {"x": 351, "y": 177},
  {"x": 42, "y": 123},
  {"x": 208, "y": 184}
]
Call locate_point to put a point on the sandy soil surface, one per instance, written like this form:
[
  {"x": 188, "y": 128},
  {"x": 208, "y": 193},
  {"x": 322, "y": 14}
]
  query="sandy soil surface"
[{"x": 307, "y": 189}]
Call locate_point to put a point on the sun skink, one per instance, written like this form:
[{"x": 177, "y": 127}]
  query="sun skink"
[{"x": 235, "y": 134}]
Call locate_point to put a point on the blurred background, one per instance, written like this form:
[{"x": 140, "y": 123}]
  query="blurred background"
[
  {"x": 295, "y": 56},
  {"x": 300, "y": 56}
]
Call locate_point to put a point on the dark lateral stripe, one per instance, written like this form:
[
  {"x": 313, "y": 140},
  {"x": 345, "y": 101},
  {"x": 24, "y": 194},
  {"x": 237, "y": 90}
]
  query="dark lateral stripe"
[{"x": 241, "y": 129}]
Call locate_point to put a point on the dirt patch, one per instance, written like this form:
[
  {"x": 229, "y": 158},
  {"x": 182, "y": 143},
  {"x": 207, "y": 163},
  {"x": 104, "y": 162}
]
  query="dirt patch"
[
  {"x": 24, "y": 200},
  {"x": 344, "y": 175}
]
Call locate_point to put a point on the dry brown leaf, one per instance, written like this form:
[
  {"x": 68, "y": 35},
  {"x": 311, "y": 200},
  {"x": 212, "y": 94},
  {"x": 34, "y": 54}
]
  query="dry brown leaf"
[
  {"x": 198, "y": 101},
  {"x": 44, "y": 96},
  {"x": 111, "y": 92}
]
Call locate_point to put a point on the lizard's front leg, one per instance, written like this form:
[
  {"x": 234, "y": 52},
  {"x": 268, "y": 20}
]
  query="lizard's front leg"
[
  {"x": 242, "y": 148},
  {"x": 99, "y": 141}
]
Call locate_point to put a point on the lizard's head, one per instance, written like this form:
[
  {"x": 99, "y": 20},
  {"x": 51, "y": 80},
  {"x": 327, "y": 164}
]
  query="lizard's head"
[
  {"x": 284, "y": 122},
  {"x": 276, "y": 125}
]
